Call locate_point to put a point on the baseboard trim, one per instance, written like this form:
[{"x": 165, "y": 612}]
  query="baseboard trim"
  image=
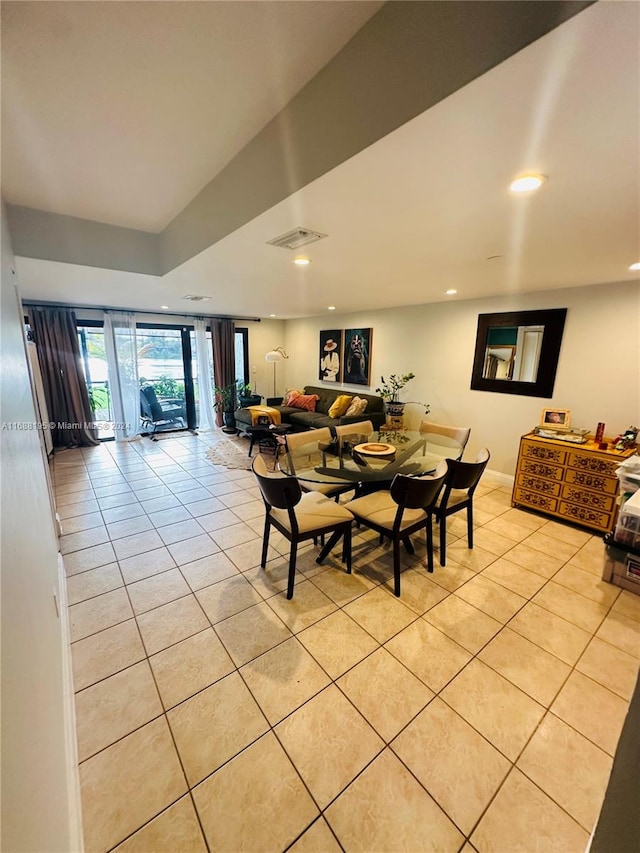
[
  {"x": 71, "y": 746},
  {"x": 503, "y": 479}
]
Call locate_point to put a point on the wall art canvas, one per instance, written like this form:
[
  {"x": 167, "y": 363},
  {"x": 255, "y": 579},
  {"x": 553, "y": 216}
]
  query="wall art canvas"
[
  {"x": 357, "y": 356},
  {"x": 330, "y": 356}
]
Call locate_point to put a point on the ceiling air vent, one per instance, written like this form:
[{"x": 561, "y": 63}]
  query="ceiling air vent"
[
  {"x": 296, "y": 239},
  {"x": 193, "y": 298}
]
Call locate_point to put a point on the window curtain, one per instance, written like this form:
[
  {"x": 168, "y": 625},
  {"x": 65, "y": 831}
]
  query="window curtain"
[
  {"x": 122, "y": 361},
  {"x": 224, "y": 359},
  {"x": 65, "y": 385},
  {"x": 205, "y": 377}
]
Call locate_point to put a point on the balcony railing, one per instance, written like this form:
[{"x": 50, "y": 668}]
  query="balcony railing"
[{"x": 100, "y": 400}]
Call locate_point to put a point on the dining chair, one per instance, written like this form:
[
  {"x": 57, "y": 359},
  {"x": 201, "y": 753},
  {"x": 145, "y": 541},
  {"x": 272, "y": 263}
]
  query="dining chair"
[
  {"x": 312, "y": 439},
  {"x": 448, "y": 439},
  {"x": 299, "y": 517},
  {"x": 401, "y": 511},
  {"x": 460, "y": 482},
  {"x": 360, "y": 428},
  {"x": 360, "y": 431}
]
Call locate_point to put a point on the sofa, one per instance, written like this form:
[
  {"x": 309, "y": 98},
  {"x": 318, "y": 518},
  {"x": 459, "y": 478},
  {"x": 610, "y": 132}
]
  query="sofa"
[{"x": 301, "y": 419}]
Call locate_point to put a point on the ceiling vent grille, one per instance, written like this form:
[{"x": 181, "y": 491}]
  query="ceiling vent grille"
[
  {"x": 296, "y": 239},
  {"x": 192, "y": 298}
]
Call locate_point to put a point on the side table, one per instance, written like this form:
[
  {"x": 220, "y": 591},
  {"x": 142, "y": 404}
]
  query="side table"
[{"x": 269, "y": 437}]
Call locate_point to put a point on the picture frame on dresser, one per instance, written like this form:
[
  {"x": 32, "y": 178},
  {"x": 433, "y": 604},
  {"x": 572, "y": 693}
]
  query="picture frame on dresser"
[{"x": 558, "y": 419}]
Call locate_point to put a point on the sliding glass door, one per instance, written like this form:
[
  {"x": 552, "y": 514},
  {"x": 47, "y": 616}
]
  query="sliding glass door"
[
  {"x": 166, "y": 377},
  {"x": 94, "y": 362},
  {"x": 167, "y": 371}
]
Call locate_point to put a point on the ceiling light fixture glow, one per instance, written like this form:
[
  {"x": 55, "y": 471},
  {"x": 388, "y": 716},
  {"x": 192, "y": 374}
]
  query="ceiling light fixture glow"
[
  {"x": 331, "y": 307},
  {"x": 165, "y": 307},
  {"x": 451, "y": 292},
  {"x": 527, "y": 183},
  {"x": 635, "y": 266},
  {"x": 302, "y": 262}
]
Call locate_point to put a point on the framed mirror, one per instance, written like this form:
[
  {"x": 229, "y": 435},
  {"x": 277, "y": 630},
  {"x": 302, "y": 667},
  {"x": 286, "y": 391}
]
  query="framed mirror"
[{"x": 517, "y": 352}]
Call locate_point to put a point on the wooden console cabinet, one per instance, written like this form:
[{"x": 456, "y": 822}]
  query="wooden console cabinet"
[{"x": 574, "y": 482}]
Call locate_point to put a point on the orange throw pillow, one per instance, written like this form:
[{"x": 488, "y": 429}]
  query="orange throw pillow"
[{"x": 304, "y": 401}]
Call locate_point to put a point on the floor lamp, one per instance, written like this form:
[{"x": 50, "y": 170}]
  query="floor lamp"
[{"x": 275, "y": 355}]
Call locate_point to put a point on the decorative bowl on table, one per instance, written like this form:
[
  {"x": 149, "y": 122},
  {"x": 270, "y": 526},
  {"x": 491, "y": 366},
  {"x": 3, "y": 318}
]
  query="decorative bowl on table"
[{"x": 375, "y": 448}]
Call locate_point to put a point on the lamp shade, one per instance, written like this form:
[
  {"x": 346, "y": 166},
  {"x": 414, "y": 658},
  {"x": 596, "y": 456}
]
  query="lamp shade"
[{"x": 276, "y": 354}]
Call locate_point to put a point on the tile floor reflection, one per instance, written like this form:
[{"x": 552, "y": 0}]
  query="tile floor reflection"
[{"x": 481, "y": 710}]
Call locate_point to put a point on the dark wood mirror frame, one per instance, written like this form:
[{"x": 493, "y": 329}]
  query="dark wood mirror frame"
[{"x": 553, "y": 322}]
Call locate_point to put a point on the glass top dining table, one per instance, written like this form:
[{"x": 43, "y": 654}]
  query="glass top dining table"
[{"x": 367, "y": 460}]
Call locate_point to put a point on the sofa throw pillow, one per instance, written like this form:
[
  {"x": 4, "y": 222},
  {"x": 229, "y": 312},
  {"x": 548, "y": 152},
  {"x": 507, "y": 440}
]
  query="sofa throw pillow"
[
  {"x": 290, "y": 392},
  {"x": 340, "y": 405},
  {"x": 304, "y": 401},
  {"x": 357, "y": 407}
]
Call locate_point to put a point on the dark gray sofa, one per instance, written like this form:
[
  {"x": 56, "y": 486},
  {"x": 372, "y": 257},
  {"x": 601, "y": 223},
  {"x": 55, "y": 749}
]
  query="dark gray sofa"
[{"x": 301, "y": 420}]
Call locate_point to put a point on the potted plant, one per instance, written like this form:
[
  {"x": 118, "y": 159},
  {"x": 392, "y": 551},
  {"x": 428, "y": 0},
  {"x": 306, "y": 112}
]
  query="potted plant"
[
  {"x": 246, "y": 397},
  {"x": 224, "y": 405},
  {"x": 390, "y": 392}
]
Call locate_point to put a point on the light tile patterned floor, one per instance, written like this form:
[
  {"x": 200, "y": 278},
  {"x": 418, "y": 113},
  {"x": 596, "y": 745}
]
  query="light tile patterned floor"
[{"x": 481, "y": 710}]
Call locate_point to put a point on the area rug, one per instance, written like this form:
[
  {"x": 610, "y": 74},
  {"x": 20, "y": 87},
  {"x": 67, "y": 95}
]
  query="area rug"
[{"x": 230, "y": 451}]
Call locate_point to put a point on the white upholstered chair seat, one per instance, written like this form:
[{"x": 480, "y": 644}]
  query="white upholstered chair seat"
[
  {"x": 381, "y": 509},
  {"x": 299, "y": 516},
  {"x": 314, "y": 511},
  {"x": 456, "y": 496},
  {"x": 406, "y": 508}
]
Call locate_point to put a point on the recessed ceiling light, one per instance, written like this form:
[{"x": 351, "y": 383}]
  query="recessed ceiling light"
[
  {"x": 165, "y": 307},
  {"x": 451, "y": 292},
  {"x": 527, "y": 183},
  {"x": 272, "y": 315},
  {"x": 635, "y": 266},
  {"x": 302, "y": 262},
  {"x": 331, "y": 307}
]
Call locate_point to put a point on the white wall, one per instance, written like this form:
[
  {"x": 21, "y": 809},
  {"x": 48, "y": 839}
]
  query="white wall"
[
  {"x": 38, "y": 795},
  {"x": 263, "y": 337},
  {"x": 598, "y": 376}
]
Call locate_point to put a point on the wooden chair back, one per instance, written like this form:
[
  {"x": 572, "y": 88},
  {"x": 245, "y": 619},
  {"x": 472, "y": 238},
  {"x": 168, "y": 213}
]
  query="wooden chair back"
[{"x": 277, "y": 491}]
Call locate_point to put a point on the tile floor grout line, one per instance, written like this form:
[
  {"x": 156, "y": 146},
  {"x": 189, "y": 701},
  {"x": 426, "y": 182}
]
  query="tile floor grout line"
[
  {"x": 547, "y": 711},
  {"x": 321, "y": 818},
  {"x": 189, "y": 790},
  {"x": 341, "y": 608}
]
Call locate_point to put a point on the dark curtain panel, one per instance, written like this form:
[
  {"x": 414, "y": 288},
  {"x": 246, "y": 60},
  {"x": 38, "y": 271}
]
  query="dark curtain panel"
[
  {"x": 224, "y": 357},
  {"x": 492, "y": 367},
  {"x": 65, "y": 387}
]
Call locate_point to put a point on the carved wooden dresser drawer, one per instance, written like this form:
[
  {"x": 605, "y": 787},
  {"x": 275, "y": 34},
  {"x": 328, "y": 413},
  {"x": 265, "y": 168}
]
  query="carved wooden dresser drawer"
[{"x": 576, "y": 483}]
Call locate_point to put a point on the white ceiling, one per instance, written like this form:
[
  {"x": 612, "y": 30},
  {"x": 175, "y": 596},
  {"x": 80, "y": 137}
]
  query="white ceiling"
[
  {"x": 416, "y": 213},
  {"x": 121, "y": 112}
]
